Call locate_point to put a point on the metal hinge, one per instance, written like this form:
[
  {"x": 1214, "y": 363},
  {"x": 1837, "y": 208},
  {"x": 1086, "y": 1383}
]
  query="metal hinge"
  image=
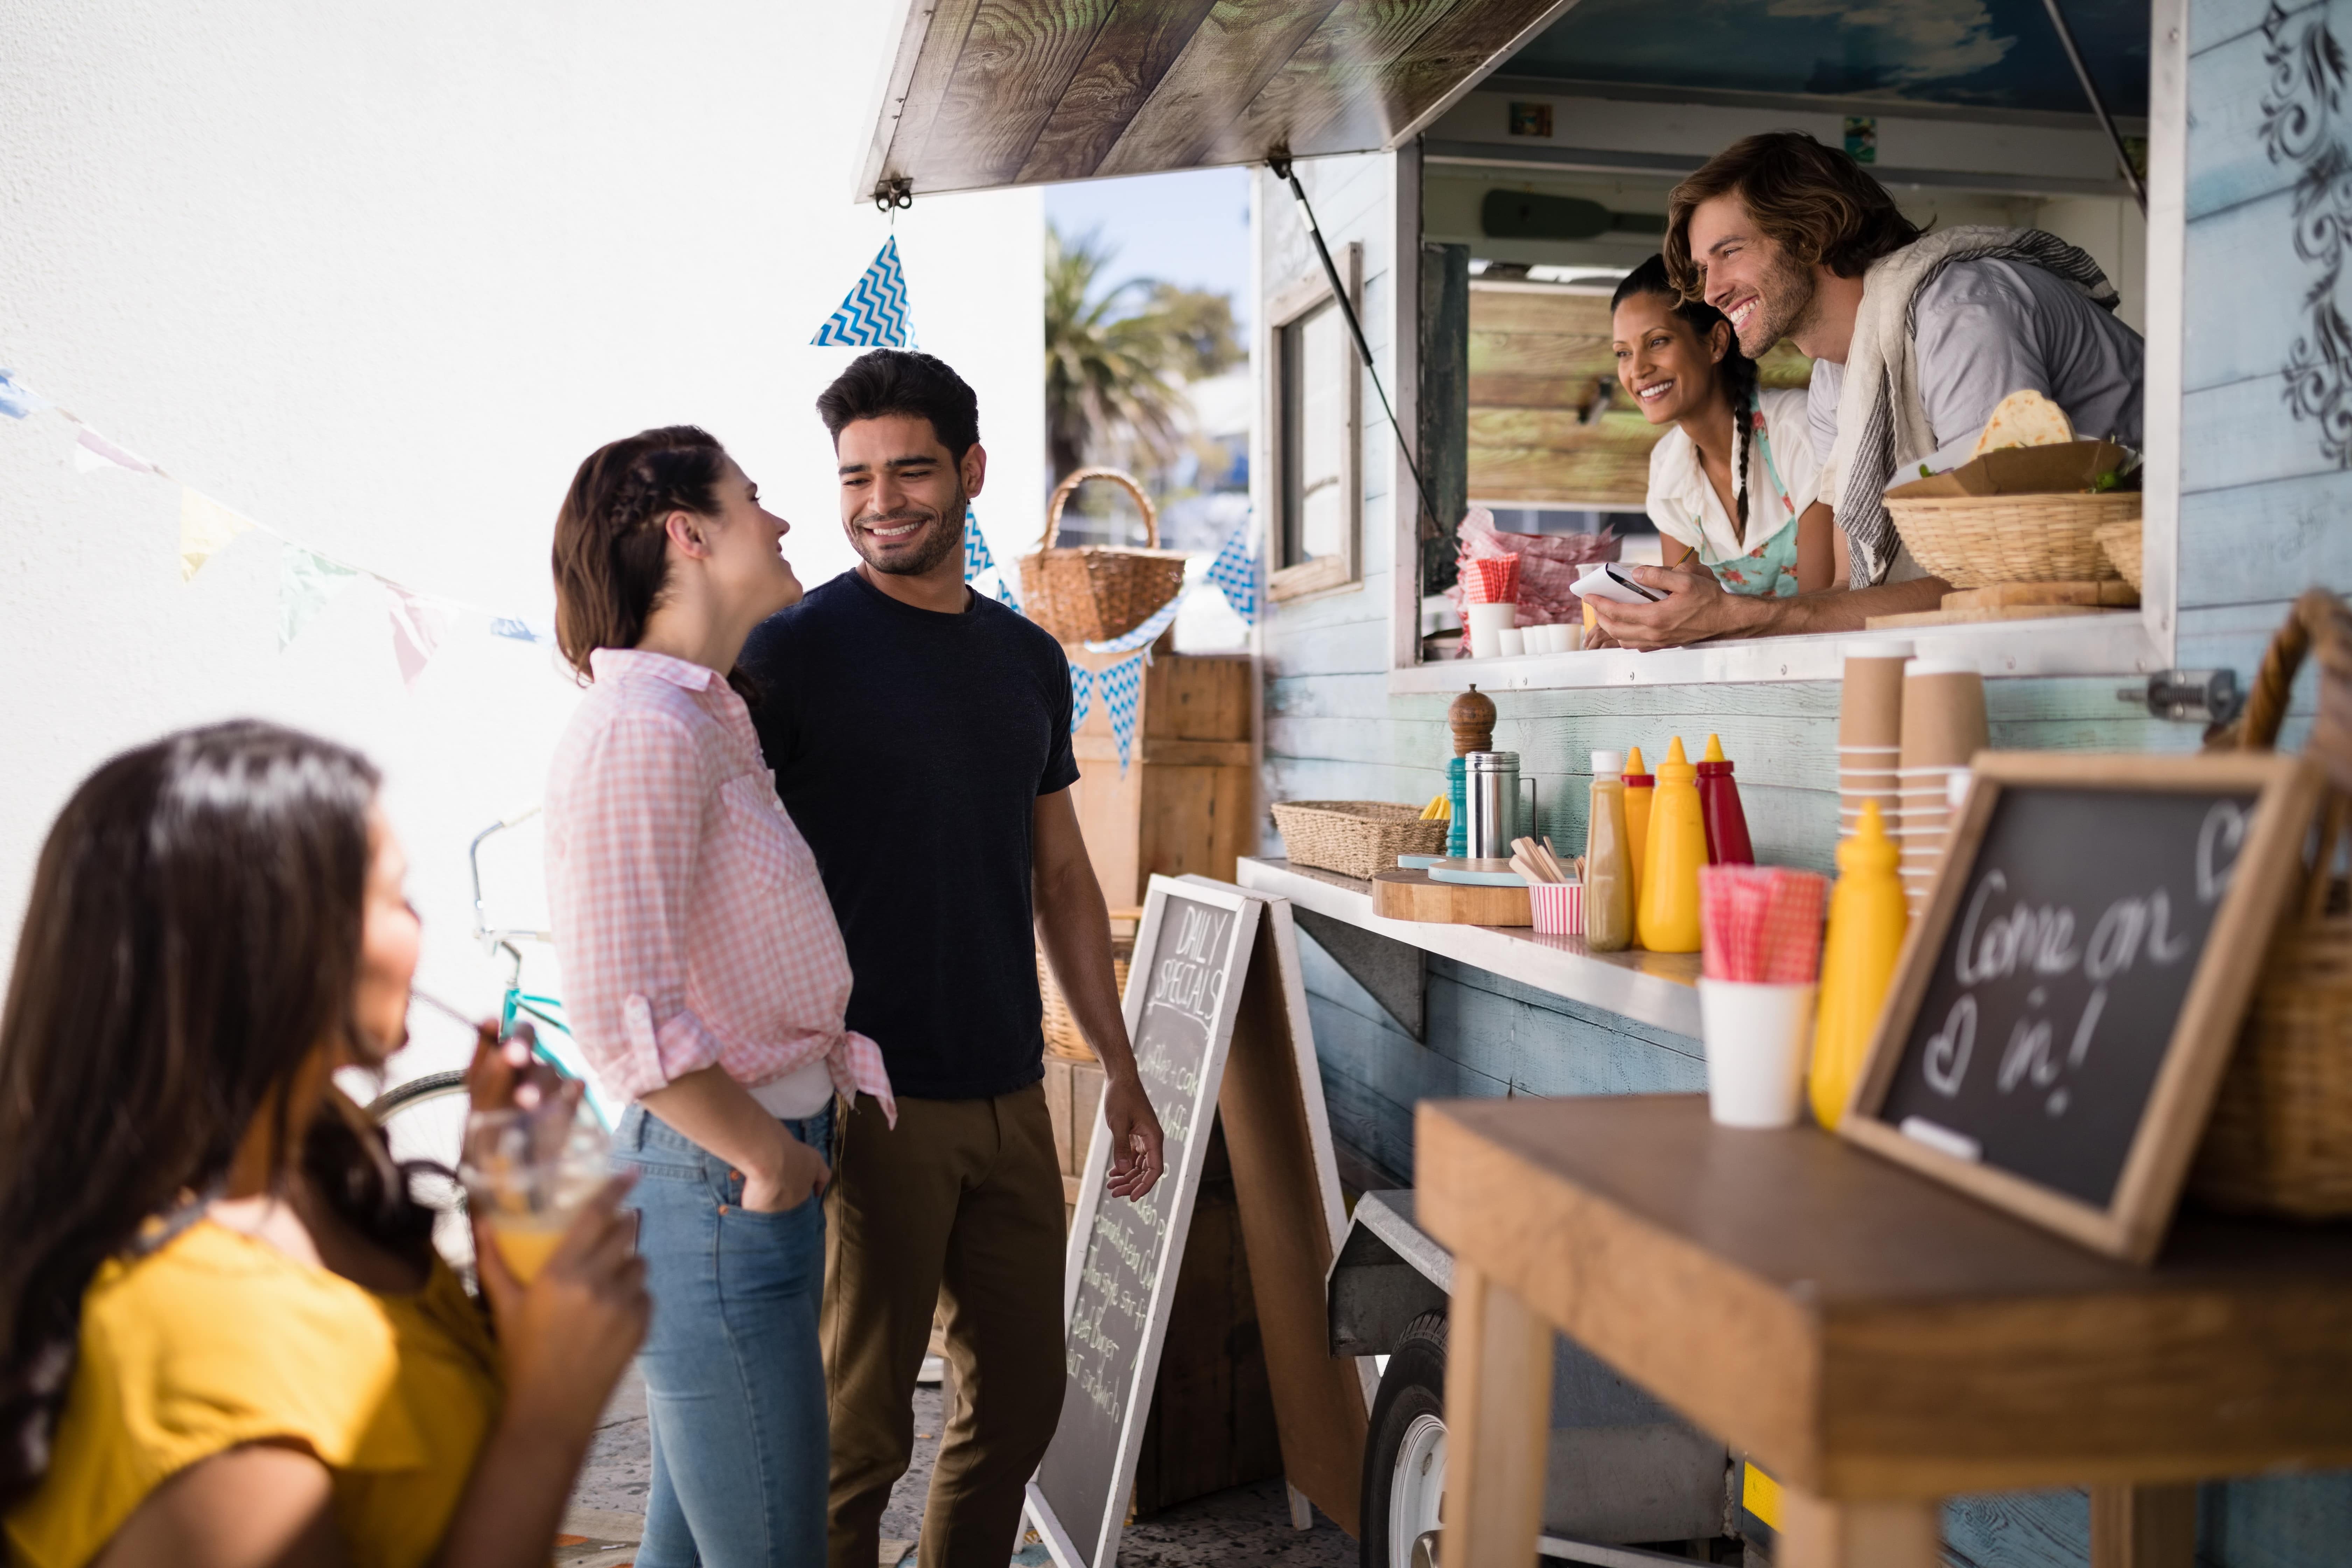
[
  {"x": 2189, "y": 696},
  {"x": 896, "y": 192}
]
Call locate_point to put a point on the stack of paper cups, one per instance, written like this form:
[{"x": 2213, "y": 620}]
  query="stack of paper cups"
[
  {"x": 1869, "y": 728},
  {"x": 1943, "y": 727}
]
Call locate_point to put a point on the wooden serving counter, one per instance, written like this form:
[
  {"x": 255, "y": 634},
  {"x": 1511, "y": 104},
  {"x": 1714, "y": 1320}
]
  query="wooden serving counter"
[{"x": 1873, "y": 1340}]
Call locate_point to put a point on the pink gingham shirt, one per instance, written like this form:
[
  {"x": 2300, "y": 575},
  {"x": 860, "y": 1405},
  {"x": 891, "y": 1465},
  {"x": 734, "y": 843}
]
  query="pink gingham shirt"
[{"x": 689, "y": 919}]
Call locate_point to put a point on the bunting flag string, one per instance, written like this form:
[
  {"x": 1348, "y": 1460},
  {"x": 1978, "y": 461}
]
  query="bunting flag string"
[
  {"x": 874, "y": 315},
  {"x": 307, "y": 578},
  {"x": 978, "y": 559},
  {"x": 1082, "y": 695},
  {"x": 1234, "y": 573},
  {"x": 1123, "y": 690}
]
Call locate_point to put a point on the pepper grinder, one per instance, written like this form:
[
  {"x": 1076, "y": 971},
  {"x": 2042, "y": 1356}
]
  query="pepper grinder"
[{"x": 1472, "y": 718}]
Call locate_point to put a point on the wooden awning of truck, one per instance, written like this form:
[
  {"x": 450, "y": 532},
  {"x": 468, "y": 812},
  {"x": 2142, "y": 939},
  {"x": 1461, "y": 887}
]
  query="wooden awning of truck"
[{"x": 987, "y": 93}]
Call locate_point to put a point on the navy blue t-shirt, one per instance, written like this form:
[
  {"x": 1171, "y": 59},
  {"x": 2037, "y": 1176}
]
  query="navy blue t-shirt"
[{"x": 910, "y": 748}]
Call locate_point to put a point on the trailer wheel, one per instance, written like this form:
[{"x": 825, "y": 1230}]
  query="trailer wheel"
[{"x": 1404, "y": 1462}]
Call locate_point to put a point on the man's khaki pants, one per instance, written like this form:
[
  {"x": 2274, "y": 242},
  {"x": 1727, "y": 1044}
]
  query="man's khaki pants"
[{"x": 959, "y": 1206}]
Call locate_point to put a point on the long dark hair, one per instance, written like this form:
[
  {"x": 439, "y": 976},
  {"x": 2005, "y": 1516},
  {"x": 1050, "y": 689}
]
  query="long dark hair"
[
  {"x": 193, "y": 936},
  {"x": 1736, "y": 370},
  {"x": 611, "y": 553}
]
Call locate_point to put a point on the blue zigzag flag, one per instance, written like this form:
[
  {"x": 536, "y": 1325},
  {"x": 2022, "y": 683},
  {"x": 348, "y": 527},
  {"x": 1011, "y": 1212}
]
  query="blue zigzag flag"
[
  {"x": 1122, "y": 686},
  {"x": 976, "y": 558},
  {"x": 1234, "y": 572},
  {"x": 1082, "y": 695},
  {"x": 874, "y": 313},
  {"x": 16, "y": 399}
]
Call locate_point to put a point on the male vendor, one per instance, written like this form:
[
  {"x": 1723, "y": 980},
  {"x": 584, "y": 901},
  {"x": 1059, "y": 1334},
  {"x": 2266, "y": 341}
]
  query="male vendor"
[
  {"x": 1915, "y": 339},
  {"x": 920, "y": 737}
]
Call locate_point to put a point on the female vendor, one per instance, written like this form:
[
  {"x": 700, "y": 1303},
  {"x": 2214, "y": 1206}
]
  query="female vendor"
[{"x": 1733, "y": 482}]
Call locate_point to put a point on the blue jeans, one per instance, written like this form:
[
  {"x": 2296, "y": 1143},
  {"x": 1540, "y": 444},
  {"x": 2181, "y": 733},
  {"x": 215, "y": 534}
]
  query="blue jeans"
[{"x": 734, "y": 1383}]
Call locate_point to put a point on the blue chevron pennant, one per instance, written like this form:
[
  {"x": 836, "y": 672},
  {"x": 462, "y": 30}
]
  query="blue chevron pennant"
[
  {"x": 874, "y": 314},
  {"x": 977, "y": 560},
  {"x": 1234, "y": 572},
  {"x": 1082, "y": 695},
  {"x": 1122, "y": 688}
]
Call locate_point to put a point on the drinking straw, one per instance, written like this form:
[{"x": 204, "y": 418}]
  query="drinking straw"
[{"x": 1761, "y": 924}]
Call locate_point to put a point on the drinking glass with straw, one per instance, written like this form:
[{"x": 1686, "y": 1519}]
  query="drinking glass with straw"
[
  {"x": 1760, "y": 945},
  {"x": 529, "y": 1168}
]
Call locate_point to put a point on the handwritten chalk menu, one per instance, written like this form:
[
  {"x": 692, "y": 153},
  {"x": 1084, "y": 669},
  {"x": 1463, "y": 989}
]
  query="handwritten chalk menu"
[
  {"x": 1192, "y": 952},
  {"x": 2068, "y": 1003}
]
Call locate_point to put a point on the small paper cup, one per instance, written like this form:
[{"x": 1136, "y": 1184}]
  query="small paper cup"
[
  {"x": 1559, "y": 907},
  {"x": 1510, "y": 642},
  {"x": 1488, "y": 622},
  {"x": 1757, "y": 1041}
]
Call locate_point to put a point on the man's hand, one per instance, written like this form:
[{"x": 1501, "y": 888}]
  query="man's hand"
[
  {"x": 1696, "y": 608},
  {"x": 1134, "y": 1136}
]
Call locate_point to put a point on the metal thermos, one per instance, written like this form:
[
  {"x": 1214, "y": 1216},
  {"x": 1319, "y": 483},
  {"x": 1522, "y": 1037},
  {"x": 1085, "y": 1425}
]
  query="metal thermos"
[{"x": 1491, "y": 787}]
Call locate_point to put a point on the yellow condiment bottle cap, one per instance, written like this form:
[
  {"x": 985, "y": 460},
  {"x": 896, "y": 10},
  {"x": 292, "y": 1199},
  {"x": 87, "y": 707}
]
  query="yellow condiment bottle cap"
[
  {"x": 1869, "y": 848},
  {"x": 1676, "y": 765},
  {"x": 1714, "y": 751},
  {"x": 1633, "y": 760}
]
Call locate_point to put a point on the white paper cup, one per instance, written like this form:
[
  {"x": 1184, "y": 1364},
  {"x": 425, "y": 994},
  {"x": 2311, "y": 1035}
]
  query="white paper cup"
[
  {"x": 1510, "y": 642},
  {"x": 1485, "y": 622},
  {"x": 1569, "y": 637},
  {"x": 1557, "y": 908},
  {"x": 1756, "y": 1042}
]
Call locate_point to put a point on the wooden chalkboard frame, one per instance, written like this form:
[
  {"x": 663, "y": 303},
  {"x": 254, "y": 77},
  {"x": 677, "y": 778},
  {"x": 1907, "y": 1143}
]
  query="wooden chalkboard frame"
[
  {"x": 2132, "y": 1227},
  {"x": 1182, "y": 1183}
]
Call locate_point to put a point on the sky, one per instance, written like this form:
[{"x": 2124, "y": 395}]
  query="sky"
[{"x": 1191, "y": 228}]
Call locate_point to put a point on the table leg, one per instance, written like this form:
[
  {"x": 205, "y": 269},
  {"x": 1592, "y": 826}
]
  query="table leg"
[
  {"x": 1818, "y": 1533},
  {"x": 2143, "y": 1526},
  {"x": 1497, "y": 1420}
]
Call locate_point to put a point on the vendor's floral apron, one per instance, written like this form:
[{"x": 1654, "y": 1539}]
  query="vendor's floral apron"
[{"x": 1769, "y": 571}]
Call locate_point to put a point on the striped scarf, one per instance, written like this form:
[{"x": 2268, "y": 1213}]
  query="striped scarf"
[{"x": 1882, "y": 421}]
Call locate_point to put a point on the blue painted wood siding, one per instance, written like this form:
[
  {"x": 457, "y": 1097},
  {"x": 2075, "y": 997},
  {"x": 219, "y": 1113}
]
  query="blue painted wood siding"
[{"x": 2266, "y": 510}]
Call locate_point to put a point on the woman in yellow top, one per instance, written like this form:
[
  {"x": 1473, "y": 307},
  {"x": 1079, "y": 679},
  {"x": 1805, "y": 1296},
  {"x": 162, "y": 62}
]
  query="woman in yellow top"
[{"x": 225, "y": 1339}]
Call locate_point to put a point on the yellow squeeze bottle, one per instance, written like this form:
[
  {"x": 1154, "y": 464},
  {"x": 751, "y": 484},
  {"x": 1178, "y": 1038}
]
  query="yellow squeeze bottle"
[
  {"x": 1867, "y": 916},
  {"x": 1607, "y": 861},
  {"x": 1638, "y": 785},
  {"x": 1677, "y": 849}
]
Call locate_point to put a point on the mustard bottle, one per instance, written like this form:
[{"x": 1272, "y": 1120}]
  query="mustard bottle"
[
  {"x": 1671, "y": 858},
  {"x": 1608, "y": 860},
  {"x": 1867, "y": 916},
  {"x": 1638, "y": 784}
]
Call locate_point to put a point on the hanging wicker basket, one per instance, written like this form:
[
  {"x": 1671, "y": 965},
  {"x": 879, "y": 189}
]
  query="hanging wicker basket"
[
  {"x": 2280, "y": 1140},
  {"x": 1095, "y": 593}
]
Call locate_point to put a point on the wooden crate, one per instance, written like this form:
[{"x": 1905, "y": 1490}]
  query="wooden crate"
[
  {"x": 1184, "y": 803},
  {"x": 1212, "y": 1423}
]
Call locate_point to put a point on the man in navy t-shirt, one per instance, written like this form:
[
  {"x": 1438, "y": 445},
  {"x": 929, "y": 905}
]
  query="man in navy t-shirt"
[{"x": 920, "y": 738}]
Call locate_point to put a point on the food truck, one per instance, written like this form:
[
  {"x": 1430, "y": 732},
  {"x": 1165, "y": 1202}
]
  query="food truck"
[{"x": 1479, "y": 172}]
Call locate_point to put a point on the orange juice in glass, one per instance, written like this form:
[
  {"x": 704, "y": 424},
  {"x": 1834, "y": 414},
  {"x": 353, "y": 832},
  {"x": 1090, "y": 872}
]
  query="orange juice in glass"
[{"x": 527, "y": 1172}]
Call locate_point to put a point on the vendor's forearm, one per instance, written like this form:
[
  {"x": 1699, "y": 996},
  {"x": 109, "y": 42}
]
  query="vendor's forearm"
[
  {"x": 1074, "y": 925},
  {"x": 1846, "y": 609},
  {"x": 711, "y": 1108}
]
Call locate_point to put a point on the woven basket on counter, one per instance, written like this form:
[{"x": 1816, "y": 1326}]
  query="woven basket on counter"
[
  {"x": 2280, "y": 1140},
  {"x": 2121, "y": 541},
  {"x": 1063, "y": 1037},
  {"x": 1974, "y": 541},
  {"x": 1095, "y": 593},
  {"x": 1355, "y": 838}
]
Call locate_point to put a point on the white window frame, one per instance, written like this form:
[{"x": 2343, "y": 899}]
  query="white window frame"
[
  {"x": 2094, "y": 645},
  {"x": 1326, "y": 573}
]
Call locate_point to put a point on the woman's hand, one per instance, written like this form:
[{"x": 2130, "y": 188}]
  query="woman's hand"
[
  {"x": 1695, "y": 608},
  {"x": 797, "y": 1174},
  {"x": 569, "y": 1334}
]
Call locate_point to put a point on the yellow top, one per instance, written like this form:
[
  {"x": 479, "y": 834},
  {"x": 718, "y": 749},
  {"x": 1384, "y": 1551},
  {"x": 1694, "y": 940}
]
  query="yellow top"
[
  {"x": 1676, "y": 768},
  {"x": 1633, "y": 761},
  {"x": 217, "y": 1339},
  {"x": 1714, "y": 752}
]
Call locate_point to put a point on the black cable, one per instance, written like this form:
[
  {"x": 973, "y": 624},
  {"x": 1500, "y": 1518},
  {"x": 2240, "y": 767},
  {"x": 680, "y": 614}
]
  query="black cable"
[
  {"x": 2098, "y": 105},
  {"x": 1282, "y": 168}
]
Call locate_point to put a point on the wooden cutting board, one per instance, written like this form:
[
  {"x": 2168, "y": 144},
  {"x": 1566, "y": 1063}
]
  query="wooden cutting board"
[
  {"x": 2113, "y": 593},
  {"x": 1412, "y": 896},
  {"x": 1987, "y": 612}
]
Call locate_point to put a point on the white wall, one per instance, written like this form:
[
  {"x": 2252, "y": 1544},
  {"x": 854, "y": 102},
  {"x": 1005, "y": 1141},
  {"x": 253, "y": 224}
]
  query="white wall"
[{"x": 380, "y": 275}]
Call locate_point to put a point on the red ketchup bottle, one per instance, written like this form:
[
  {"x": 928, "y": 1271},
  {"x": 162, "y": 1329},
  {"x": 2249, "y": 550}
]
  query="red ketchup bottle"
[{"x": 1718, "y": 806}]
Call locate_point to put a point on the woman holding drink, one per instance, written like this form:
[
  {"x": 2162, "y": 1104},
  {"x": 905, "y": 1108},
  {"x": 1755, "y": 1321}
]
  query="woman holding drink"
[
  {"x": 225, "y": 1337},
  {"x": 706, "y": 980}
]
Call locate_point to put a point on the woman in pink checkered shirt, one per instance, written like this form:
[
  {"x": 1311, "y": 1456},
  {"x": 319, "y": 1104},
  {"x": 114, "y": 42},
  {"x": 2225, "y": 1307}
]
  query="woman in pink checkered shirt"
[{"x": 706, "y": 980}]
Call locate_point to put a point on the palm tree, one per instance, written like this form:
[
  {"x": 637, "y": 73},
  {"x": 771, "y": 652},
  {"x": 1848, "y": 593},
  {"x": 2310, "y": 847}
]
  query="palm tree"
[{"x": 1116, "y": 358}]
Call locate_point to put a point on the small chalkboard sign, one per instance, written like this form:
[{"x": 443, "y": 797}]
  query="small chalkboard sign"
[
  {"x": 2065, "y": 1007},
  {"x": 1217, "y": 1013}
]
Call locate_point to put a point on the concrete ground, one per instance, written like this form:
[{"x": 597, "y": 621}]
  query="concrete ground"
[{"x": 1246, "y": 1525}]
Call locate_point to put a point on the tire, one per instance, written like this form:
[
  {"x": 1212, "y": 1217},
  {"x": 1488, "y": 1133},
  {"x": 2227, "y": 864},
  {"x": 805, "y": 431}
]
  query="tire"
[
  {"x": 1404, "y": 1461},
  {"x": 432, "y": 1086},
  {"x": 424, "y": 1119}
]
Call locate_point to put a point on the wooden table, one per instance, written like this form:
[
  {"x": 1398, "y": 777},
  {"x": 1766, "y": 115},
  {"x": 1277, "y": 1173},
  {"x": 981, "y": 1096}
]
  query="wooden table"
[{"x": 1873, "y": 1340}]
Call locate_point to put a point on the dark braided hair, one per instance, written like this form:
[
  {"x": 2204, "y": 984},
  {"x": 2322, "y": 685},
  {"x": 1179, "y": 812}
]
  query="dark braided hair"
[
  {"x": 1736, "y": 369},
  {"x": 611, "y": 553}
]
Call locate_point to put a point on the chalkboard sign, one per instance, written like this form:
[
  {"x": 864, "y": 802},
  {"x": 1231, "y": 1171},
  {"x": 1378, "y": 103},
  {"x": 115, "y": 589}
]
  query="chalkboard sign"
[
  {"x": 2065, "y": 1008},
  {"x": 1184, "y": 985}
]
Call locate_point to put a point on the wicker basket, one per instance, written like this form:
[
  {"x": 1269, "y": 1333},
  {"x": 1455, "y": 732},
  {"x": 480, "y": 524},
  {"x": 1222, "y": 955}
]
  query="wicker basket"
[
  {"x": 1096, "y": 593},
  {"x": 2121, "y": 541},
  {"x": 2280, "y": 1140},
  {"x": 1974, "y": 541},
  {"x": 1356, "y": 837},
  {"x": 1063, "y": 1037}
]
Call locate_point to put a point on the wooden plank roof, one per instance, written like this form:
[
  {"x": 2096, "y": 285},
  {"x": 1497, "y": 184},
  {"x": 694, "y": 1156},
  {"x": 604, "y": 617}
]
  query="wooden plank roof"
[{"x": 1001, "y": 92}]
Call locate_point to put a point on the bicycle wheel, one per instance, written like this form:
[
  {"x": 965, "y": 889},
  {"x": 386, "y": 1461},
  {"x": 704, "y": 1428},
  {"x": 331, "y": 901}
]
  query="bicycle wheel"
[{"x": 424, "y": 1119}]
